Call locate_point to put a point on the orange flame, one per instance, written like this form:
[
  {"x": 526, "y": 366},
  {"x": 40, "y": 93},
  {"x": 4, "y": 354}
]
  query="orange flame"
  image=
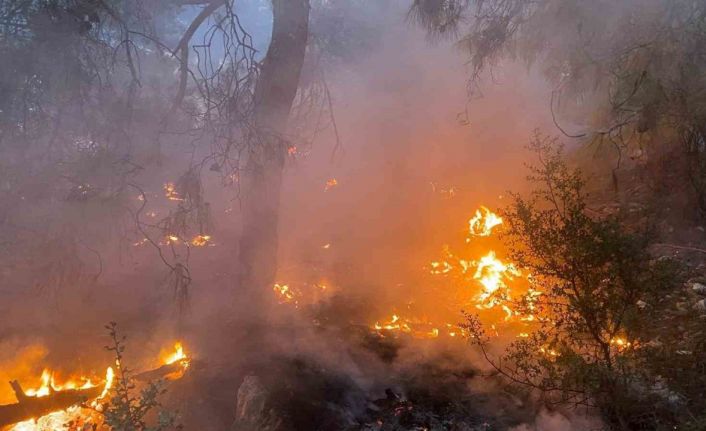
[
  {"x": 491, "y": 273},
  {"x": 483, "y": 222},
  {"x": 331, "y": 183},
  {"x": 57, "y": 420},
  {"x": 200, "y": 240},
  {"x": 177, "y": 355},
  {"x": 171, "y": 193},
  {"x": 285, "y": 293}
]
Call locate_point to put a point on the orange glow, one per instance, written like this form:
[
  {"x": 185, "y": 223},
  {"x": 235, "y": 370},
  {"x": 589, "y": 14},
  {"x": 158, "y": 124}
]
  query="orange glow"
[
  {"x": 171, "y": 193},
  {"x": 200, "y": 240},
  {"x": 331, "y": 183},
  {"x": 620, "y": 343},
  {"x": 284, "y": 293},
  {"x": 416, "y": 328}
]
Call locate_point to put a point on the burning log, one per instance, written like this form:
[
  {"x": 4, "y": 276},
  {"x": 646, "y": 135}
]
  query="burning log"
[
  {"x": 174, "y": 366},
  {"x": 28, "y": 407},
  {"x": 175, "y": 369}
]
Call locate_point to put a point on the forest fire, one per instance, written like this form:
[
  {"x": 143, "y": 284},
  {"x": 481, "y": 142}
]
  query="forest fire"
[
  {"x": 78, "y": 401},
  {"x": 53, "y": 405},
  {"x": 485, "y": 284},
  {"x": 324, "y": 215}
]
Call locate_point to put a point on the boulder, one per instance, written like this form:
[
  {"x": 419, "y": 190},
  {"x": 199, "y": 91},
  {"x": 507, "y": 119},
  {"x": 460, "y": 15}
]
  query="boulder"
[{"x": 252, "y": 412}]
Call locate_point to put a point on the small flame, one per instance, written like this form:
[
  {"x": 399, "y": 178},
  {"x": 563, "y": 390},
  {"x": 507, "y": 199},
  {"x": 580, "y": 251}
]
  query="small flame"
[
  {"x": 331, "y": 183},
  {"x": 109, "y": 377},
  {"x": 483, "y": 222},
  {"x": 177, "y": 356},
  {"x": 200, "y": 240},
  {"x": 171, "y": 193},
  {"x": 417, "y": 328},
  {"x": 620, "y": 343},
  {"x": 140, "y": 242}
]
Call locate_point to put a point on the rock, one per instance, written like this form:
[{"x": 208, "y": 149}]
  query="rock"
[
  {"x": 699, "y": 288},
  {"x": 654, "y": 344},
  {"x": 700, "y": 306},
  {"x": 251, "y": 412},
  {"x": 641, "y": 304}
]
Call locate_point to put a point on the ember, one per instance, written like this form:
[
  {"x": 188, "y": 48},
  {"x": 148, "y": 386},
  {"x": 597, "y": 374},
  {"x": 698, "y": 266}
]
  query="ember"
[
  {"x": 200, "y": 240},
  {"x": 171, "y": 193}
]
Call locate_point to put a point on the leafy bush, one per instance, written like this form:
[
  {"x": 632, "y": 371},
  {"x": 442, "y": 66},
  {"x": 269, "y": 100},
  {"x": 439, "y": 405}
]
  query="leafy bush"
[
  {"x": 125, "y": 411},
  {"x": 603, "y": 301}
]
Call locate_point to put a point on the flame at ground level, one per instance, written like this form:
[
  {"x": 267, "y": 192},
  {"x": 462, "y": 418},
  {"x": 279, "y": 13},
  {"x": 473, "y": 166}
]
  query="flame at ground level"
[
  {"x": 80, "y": 417},
  {"x": 73, "y": 418},
  {"x": 483, "y": 222}
]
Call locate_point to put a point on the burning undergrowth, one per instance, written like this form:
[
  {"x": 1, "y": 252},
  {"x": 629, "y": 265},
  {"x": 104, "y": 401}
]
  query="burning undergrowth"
[
  {"x": 470, "y": 274},
  {"x": 341, "y": 363}
]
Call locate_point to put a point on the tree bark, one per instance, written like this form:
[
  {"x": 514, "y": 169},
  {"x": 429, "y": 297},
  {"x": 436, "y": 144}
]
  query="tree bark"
[{"x": 262, "y": 177}]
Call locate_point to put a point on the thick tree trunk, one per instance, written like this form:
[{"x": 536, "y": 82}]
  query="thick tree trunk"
[{"x": 262, "y": 177}]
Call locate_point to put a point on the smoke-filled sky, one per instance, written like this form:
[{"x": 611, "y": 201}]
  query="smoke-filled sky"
[
  {"x": 412, "y": 170},
  {"x": 417, "y": 158}
]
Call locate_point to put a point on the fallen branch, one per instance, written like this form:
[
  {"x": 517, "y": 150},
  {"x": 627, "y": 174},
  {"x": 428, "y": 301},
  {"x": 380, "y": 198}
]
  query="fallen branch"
[
  {"x": 28, "y": 407},
  {"x": 162, "y": 372},
  {"x": 681, "y": 247}
]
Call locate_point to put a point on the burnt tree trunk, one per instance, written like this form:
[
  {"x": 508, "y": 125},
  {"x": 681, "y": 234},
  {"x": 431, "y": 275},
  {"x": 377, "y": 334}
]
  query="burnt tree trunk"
[{"x": 262, "y": 177}]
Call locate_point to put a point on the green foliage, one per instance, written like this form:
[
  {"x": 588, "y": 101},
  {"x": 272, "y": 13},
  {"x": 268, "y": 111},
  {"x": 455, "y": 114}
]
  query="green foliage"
[
  {"x": 602, "y": 298},
  {"x": 127, "y": 412},
  {"x": 629, "y": 74}
]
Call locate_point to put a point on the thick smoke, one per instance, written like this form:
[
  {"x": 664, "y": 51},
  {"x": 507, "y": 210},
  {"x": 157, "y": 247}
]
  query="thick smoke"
[{"x": 417, "y": 155}]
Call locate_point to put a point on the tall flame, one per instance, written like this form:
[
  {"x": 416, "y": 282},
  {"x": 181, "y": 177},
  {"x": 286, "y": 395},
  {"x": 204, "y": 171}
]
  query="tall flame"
[
  {"x": 177, "y": 356},
  {"x": 491, "y": 273}
]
